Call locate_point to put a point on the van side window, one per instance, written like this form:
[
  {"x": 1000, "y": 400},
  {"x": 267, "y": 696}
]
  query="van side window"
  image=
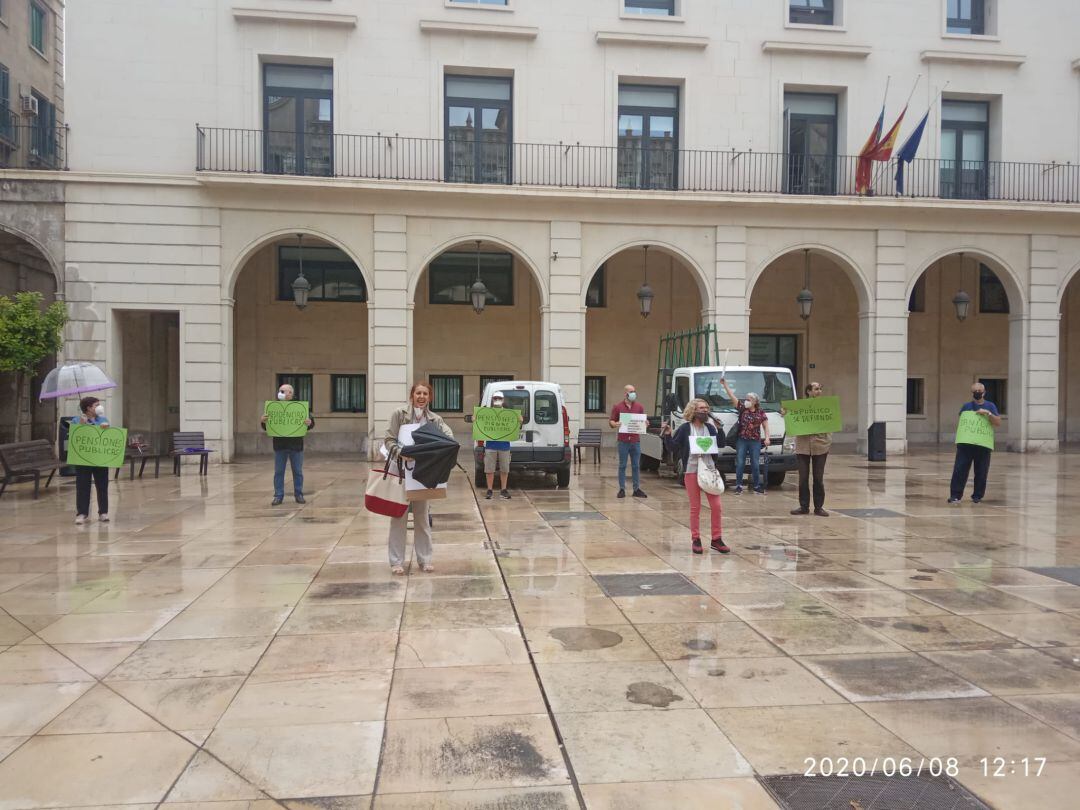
[
  {"x": 547, "y": 408},
  {"x": 682, "y": 391}
]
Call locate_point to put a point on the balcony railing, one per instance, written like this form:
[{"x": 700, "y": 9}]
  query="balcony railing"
[
  {"x": 393, "y": 157},
  {"x": 29, "y": 146}
]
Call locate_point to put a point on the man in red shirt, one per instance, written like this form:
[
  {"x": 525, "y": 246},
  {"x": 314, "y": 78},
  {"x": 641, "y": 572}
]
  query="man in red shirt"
[{"x": 629, "y": 443}]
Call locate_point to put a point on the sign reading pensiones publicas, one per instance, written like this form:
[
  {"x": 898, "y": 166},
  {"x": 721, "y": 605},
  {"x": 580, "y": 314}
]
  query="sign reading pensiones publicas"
[
  {"x": 286, "y": 418},
  {"x": 496, "y": 424},
  {"x": 803, "y": 417},
  {"x": 93, "y": 446},
  {"x": 975, "y": 429}
]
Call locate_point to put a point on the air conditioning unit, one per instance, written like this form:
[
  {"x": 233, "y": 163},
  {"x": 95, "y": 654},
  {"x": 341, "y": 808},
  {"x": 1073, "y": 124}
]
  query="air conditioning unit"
[{"x": 30, "y": 105}]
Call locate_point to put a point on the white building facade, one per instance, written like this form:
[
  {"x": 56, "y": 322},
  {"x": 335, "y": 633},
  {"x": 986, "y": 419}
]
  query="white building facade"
[{"x": 570, "y": 149}]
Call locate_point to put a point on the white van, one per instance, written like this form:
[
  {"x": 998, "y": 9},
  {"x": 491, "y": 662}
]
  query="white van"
[{"x": 544, "y": 444}]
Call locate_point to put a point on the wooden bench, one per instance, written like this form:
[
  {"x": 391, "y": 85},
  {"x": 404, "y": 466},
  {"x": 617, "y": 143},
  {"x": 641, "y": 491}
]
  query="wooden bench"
[
  {"x": 23, "y": 461},
  {"x": 141, "y": 452},
  {"x": 189, "y": 444},
  {"x": 588, "y": 437}
]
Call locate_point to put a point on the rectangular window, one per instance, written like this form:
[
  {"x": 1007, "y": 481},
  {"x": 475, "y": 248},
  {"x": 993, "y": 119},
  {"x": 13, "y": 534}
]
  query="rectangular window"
[
  {"x": 965, "y": 133},
  {"x": 997, "y": 392},
  {"x": 597, "y": 293},
  {"x": 7, "y": 115},
  {"x": 992, "y": 296},
  {"x": 302, "y": 388},
  {"x": 810, "y": 142},
  {"x": 917, "y": 301},
  {"x": 43, "y": 143},
  {"x": 479, "y": 2},
  {"x": 38, "y": 17},
  {"x": 811, "y": 12},
  {"x": 451, "y": 276},
  {"x": 595, "y": 395},
  {"x": 546, "y": 408},
  {"x": 487, "y": 379},
  {"x": 965, "y": 17},
  {"x": 446, "y": 393},
  {"x": 298, "y": 119},
  {"x": 348, "y": 393},
  {"x": 332, "y": 274},
  {"x": 916, "y": 396},
  {"x": 653, "y": 8},
  {"x": 775, "y": 350},
  {"x": 648, "y": 136},
  {"x": 477, "y": 113}
]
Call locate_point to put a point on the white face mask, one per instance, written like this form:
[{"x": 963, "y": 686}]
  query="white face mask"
[
  {"x": 281, "y": 395},
  {"x": 631, "y": 396},
  {"x": 100, "y": 410},
  {"x": 748, "y": 403},
  {"x": 496, "y": 403}
]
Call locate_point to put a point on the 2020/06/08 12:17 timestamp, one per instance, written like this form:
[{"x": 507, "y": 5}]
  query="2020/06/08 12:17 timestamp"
[{"x": 910, "y": 766}]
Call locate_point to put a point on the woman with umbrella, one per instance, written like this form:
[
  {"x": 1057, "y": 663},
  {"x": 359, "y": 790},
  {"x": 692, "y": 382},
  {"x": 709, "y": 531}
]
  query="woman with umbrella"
[{"x": 403, "y": 423}]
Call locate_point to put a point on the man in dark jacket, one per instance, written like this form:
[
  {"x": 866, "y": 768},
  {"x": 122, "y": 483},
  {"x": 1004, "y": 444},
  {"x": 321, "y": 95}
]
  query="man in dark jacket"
[{"x": 288, "y": 449}]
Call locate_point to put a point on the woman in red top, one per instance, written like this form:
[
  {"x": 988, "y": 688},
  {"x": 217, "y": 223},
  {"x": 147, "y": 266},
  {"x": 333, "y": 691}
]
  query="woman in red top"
[{"x": 752, "y": 422}]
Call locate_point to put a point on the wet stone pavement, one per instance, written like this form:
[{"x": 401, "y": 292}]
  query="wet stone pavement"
[{"x": 205, "y": 650}]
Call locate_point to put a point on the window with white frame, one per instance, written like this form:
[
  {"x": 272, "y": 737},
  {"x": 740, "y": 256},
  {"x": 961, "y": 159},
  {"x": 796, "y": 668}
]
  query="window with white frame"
[
  {"x": 813, "y": 12},
  {"x": 650, "y": 8},
  {"x": 971, "y": 17}
]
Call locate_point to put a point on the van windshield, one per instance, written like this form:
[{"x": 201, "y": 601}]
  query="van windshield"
[{"x": 771, "y": 386}]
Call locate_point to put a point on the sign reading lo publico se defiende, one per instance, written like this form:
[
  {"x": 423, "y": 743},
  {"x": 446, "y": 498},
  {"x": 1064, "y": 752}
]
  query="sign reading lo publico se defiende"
[{"x": 804, "y": 417}]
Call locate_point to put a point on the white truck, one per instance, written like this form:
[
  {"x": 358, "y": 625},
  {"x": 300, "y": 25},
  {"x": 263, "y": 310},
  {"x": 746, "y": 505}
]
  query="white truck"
[{"x": 772, "y": 383}]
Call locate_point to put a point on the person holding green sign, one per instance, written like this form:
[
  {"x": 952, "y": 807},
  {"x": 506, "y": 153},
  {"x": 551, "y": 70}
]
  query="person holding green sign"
[
  {"x": 812, "y": 450},
  {"x": 974, "y": 444},
  {"x": 288, "y": 450},
  {"x": 497, "y": 456},
  {"x": 92, "y": 412}
]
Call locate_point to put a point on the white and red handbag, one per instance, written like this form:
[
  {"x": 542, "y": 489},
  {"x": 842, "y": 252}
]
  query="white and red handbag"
[{"x": 385, "y": 493}]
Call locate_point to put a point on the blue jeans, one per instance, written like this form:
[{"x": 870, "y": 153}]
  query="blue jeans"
[
  {"x": 633, "y": 452},
  {"x": 296, "y": 459},
  {"x": 753, "y": 447}
]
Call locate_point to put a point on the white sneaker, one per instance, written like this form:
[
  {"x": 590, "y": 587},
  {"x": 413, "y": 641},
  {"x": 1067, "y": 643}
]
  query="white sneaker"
[
  {"x": 80, "y": 520},
  {"x": 104, "y": 518}
]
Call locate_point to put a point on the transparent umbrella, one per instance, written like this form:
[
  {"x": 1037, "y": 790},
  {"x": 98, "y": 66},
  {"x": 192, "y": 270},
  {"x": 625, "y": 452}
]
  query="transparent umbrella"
[{"x": 72, "y": 379}]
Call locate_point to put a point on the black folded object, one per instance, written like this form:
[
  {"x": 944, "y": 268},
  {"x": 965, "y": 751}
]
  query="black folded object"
[{"x": 434, "y": 455}]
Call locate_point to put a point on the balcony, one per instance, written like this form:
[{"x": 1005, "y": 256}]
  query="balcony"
[
  {"x": 430, "y": 160},
  {"x": 30, "y": 146}
]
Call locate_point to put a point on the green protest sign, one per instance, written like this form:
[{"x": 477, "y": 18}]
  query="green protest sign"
[
  {"x": 286, "y": 418},
  {"x": 93, "y": 446},
  {"x": 703, "y": 445},
  {"x": 975, "y": 429},
  {"x": 496, "y": 425},
  {"x": 803, "y": 417}
]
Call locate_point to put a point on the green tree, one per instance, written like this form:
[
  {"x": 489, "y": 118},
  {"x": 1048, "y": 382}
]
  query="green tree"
[{"x": 29, "y": 333}]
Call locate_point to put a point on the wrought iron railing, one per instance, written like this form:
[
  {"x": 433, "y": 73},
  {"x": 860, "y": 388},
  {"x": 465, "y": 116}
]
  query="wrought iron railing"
[
  {"x": 393, "y": 157},
  {"x": 30, "y": 146}
]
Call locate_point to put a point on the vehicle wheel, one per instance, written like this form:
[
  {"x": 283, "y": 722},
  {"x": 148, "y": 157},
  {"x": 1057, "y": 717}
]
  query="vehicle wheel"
[
  {"x": 481, "y": 479},
  {"x": 562, "y": 477},
  {"x": 776, "y": 479},
  {"x": 680, "y": 473},
  {"x": 649, "y": 464}
]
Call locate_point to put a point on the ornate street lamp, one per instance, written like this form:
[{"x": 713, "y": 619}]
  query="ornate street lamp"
[
  {"x": 478, "y": 293},
  {"x": 645, "y": 293},
  {"x": 805, "y": 298},
  {"x": 961, "y": 301},
  {"x": 301, "y": 286}
]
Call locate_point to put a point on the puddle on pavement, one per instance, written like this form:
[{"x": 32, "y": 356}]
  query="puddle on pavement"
[
  {"x": 579, "y": 639},
  {"x": 651, "y": 694}
]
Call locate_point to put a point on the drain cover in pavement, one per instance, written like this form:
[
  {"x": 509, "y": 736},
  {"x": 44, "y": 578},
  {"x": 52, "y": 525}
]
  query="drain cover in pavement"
[
  {"x": 561, "y": 517},
  {"x": 871, "y": 792},
  {"x": 869, "y": 513},
  {"x": 1065, "y": 573},
  {"x": 646, "y": 585}
]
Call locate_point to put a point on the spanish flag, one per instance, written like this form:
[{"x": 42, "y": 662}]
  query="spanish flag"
[
  {"x": 865, "y": 166},
  {"x": 881, "y": 150}
]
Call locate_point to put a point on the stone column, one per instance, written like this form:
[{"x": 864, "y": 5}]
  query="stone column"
[
  {"x": 1037, "y": 387},
  {"x": 730, "y": 313},
  {"x": 195, "y": 370},
  {"x": 888, "y": 383},
  {"x": 563, "y": 320},
  {"x": 389, "y": 358}
]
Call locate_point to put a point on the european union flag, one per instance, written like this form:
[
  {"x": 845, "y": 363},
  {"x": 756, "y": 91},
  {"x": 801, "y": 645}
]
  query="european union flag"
[{"x": 908, "y": 151}]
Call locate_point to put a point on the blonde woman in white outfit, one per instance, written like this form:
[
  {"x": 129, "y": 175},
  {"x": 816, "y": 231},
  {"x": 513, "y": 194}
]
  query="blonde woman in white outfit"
[{"x": 417, "y": 412}]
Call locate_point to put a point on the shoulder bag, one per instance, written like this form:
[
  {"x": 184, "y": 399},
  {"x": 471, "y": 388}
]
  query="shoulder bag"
[{"x": 385, "y": 493}]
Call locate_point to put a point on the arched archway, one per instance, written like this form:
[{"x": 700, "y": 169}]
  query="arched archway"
[
  {"x": 831, "y": 346},
  {"x": 25, "y": 266},
  {"x": 945, "y": 353},
  {"x": 1069, "y": 358},
  {"x": 459, "y": 350},
  {"x": 322, "y": 350},
  {"x": 620, "y": 346}
]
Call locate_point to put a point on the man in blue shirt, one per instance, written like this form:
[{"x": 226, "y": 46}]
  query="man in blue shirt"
[
  {"x": 968, "y": 454},
  {"x": 497, "y": 455}
]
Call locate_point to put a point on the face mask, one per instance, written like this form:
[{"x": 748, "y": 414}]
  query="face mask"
[
  {"x": 747, "y": 404},
  {"x": 496, "y": 403},
  {"x": 631, "y": 396},
  {"x": 100, "y": 410},
  {"x": 281, "y": 395},
  {"x": 699, "y": 417},
  {"x": 978, "y": 396}
]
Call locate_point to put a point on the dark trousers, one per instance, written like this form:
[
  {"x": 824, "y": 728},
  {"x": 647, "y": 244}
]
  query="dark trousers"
[
  {"x": 100, "y": 477},
  {"x": 966, "y": 455},
  {"x": 817, "y": 464}
]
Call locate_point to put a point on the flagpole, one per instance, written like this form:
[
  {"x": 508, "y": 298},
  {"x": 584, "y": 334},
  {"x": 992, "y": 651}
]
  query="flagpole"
[{"x": 877, "y": 172}]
